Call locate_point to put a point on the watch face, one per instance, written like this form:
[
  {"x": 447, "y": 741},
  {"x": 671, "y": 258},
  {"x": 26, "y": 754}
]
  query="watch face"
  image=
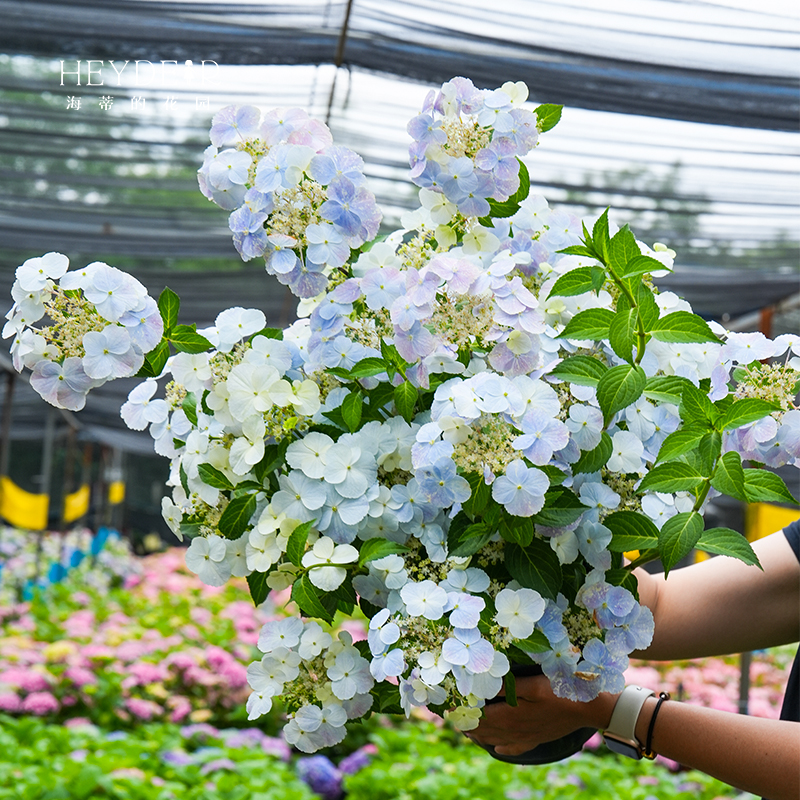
[{"x": 622, "y": 747}]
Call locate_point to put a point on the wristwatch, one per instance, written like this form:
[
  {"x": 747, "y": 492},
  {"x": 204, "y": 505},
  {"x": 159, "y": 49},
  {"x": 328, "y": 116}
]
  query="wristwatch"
[{"x": 620, "y": 735}]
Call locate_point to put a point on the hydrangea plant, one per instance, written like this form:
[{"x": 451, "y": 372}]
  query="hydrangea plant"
[{"x": 471, "y": 421}]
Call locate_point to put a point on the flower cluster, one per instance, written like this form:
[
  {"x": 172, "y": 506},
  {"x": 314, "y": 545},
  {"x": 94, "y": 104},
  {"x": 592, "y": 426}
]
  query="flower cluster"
[
  {"x": 296, "y": 200},
  {"x": 470, "y": 423},
  {"x": 102, "y": 323}
]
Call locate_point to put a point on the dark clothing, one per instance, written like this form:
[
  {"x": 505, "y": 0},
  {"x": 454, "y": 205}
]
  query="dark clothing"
[{"x": 791, "y": 700}]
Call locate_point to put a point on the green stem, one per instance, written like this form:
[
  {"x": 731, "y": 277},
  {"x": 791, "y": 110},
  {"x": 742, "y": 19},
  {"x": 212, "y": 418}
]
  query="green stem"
[
  {"x": 701, "y": 498},
  {"x": 641, "y": 333}
]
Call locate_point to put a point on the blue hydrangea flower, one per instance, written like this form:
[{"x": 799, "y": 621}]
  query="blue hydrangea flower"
[
  {"x": 441, "y": 485},
  {"x": 521, "y": 490}
]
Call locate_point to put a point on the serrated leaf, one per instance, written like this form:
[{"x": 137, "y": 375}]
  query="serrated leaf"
[
  {"x": 257, "y": 583},
  {"x": 600, "y": 237},
  {"x": 761, "y": 486},
  {"x": 695, "y": 406},
  {"x": 189, "y": 406},
  {"x": 576, "y": 281},
  {"x": 681, "y": 327},
  {"x": 186, "y": 340},
  {"x": 373, "y": 549},
  {"x": 307, "y": 597},
  {"x": 501, "y": 210},
  {"x": 727, "y": 542},
  {"x": 561, "y": 507},
  {"x": 677, "y": 538},
  {"x": 631, "y": 531},
  {"x": 641, "y": 265},
  {"x": 646, "y": 303},
  {"x": 352, "y": 406},
  {"x": 666, "y": 388},
  {"x": 184, "y": 479},
  {"x": 709, "y": 449},
  {"x": 481, "y": 492},
  {"x": 368, "y": 367},
  {"x": 622, "y": 249},
  {"x": 236, "y": 517},
  {"x": 467, "y": 541},
  {"x": 524, "y": 188},
  {"x": 154, "y": 361},
  {"x": 535, "y": 567},
  {"x": 580, "y": 370},
  {"x": 743, "y": 412},
  {"x": 214, "y": 477},
  {"x": 624, "y": 578},
  {"x": 547, "y": 116},
  {"x": 190, "y": 530},
  {"x": 578, "y": 250},
  {"x": 622, "y": 333},
  {"x": 269, "y": 333},
  {"x": 537, "y": 642},
  {"x": 554, "y": 474},
  {"x": 405, "y": 398},
  {"x": 674, "y": 476},
  {"x": 728, "y": 476},
  {"x": 274, "y": 457},
  {"x": 681, "y": 441},
  {"x": 592, "y": 324},
  {"x": 510, "y": 688},
  {"x": 620, "y": 387},
  {"x": 296, "y": 543},
  {"x": 593, "y": 460},
  {"x": 168, "y": 306},
  {"x": 515, "y": 529}
]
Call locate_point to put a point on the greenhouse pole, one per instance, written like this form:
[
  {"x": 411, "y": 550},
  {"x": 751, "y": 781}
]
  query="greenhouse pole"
[
  {"x": 5, "y": 431},
  {"x": 46, "y": 476}
]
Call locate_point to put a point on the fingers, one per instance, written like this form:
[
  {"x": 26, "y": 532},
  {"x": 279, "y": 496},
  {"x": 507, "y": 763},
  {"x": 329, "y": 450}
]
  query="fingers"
[{"x": 513, "y": 750}]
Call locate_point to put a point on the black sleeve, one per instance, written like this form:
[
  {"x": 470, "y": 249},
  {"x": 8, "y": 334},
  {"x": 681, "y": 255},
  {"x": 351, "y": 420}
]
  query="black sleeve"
[{"x": 792, "y": 533}]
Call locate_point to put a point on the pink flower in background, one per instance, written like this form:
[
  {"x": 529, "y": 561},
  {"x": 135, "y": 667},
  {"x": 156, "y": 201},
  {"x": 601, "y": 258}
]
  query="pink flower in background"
[
  {"x": 25, "y": 679},
  {"x": 40, "y": 703},
  {"x": 10, "y": 702},
  {"x": 80, "y": 677},
  {"x": 143, "y": 709}
]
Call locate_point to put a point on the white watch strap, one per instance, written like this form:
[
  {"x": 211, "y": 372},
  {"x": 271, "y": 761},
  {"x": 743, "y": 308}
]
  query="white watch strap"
[{"x": 626, "y": 712}]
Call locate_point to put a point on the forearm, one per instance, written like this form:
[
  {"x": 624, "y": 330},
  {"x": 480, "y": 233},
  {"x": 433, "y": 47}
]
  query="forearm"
[{"x": 753, "y": 754}]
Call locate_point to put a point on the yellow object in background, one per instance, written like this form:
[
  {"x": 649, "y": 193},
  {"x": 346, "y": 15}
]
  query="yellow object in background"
[
  {"x": 76, "y": 504},
  {"x": 762, "y": 519},
  {"x": 22, "y": 509},
  {"x": 116, "y": 492}
]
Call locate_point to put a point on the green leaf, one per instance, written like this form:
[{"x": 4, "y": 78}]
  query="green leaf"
[
  {"x": 296, "y": 544},
  {"x": 666, "y": 388},
  {"x": 580, "y": 370},
  {"x": 168, "y": 306},
  {"x": 368, "y": 367},
  {"x": 622, "y": 250},
  {"x": 352, "y": 406},
  {"x": 547, "y": 116},
  {"x": 681, "y": 441},
  {"x": 593, "y": 323},
  {"x": 466, "y": 541},
  {"x": 537, "y": 642},
  {"x": 189, "y": 406},
  {"x": 154, "y": 361},
  {"x": 518, "y": 530},
  {"x": 524, "y": 183},
  {"x": 257, "y": 583},
  {"x": 622, "y": 333},
  {"x": 481, "y": 492},
  {"x": 600, "y": 237},
  {"x": 641, "y": 265},
  {"x": 184, "y": 478},
  {"x": 593, "y": 460},
  {"x": 681, "y": 327},
  {"x": 561, "y": 507},
  {"x": 575, "y": 282},
  {"x": 510, "y": 686},
  {"x": 728, "y": 476},
  {"x": 578, "y": 250},
  {"x": 727, "y": 542},
  {"x": 620, "y": 387},
  {"x": 631, "y": 531},
  {"x": 554, "y": 474},
  {"x": 743, "y": 412},
  {"x": 214, "y": 477},
  {"x": 695, "y": 406},
  {"x": 535, "y": 567},
  {"x": 709, "y": 449},
  {"x": 405, "y": 398},
  {"x": 373, "y": 549},
  {"x": 274, "y": 457},
  {"x": 762, "y": 486},
  {"x": 678, "y": 537},
  {"x": 624, "y": 578},
  {"x": 236, "y": 517},
  {"x": 269, "y": 333},
  {"x": 674, "y": 476},
  {"x": 185, "y": 339},
  {"x": 307, "y": 597},
  {"x": 646, "y": 303}
]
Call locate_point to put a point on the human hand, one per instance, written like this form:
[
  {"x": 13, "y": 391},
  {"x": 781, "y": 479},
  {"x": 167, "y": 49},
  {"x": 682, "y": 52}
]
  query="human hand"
[{"x": 538, "y": 717}]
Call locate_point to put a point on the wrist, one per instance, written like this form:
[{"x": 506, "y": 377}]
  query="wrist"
[{"x": 600, "y": 710}]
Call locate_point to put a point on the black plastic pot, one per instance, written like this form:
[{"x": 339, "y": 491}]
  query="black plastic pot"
[{"x": 547, "y": 752}]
